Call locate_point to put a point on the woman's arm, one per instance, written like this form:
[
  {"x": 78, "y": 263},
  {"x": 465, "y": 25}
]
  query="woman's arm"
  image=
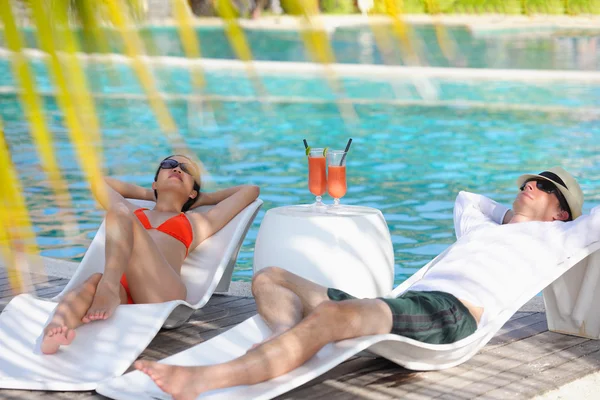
[
  {"x": 130, "y": 191},
  {"x": 211, "y": 199},
  {"x": 230, "y": 203},
  {"x": 118, "y": 191}
]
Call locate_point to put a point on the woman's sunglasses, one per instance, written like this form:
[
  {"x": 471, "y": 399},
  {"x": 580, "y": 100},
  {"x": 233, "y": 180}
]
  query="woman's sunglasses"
[
  {"x": 170, "y": 164},
  {"x": 549, "y": 187}
]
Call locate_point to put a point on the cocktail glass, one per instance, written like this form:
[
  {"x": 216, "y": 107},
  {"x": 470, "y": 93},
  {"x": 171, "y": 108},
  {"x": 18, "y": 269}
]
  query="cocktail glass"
[
  {"x": 317, "y": 178},
  {"x": 336, "y": 184}
]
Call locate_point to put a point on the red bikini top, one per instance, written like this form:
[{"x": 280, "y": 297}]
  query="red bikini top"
[{"x": 178, "y": 227}]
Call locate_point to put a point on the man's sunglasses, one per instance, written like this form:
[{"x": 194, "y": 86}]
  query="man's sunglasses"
[
  {"x": 170, "y": 164},
  {"x": 549, "y": 187}
]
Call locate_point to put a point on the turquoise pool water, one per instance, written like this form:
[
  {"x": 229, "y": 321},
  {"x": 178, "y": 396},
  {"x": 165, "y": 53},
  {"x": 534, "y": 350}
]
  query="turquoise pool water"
[
  {"x": 118, "y": 79},
  {"x": 538, "y": 50},
  {"x": 408, "y": 161}
]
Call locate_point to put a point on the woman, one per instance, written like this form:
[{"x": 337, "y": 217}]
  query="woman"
[{"x": 145, "y": 249}]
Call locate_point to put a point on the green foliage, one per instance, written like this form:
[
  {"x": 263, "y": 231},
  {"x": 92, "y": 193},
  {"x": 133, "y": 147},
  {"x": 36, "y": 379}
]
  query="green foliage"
[
  {"x": 525, "y": 6},
  {"x": 582, "y": 6},
  {"x": 488, "y": 6},
  {"x": 404, "y": 6},
  {"x": 226, "y": 9},
  {"x": 300, "y": 7},
  {"x": 543, "y": 7},
  {"x": 338, "y": 6}
]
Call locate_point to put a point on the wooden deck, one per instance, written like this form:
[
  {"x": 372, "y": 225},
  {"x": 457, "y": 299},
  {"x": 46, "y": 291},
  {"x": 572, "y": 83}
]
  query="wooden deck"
[{"x": 523, "y": 360}]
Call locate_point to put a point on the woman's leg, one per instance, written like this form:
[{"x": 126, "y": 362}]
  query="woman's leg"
[
  {"x": 67, "y": 315},
  {"x": 118, "y": 248},
  {"x": 131, "y": 250}
]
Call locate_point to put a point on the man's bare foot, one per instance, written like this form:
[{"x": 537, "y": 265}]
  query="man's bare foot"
[
  {"x": 106, "y": 300},
  {"x": 183, "y": 383},
  {"x": 56, "y": 336}
]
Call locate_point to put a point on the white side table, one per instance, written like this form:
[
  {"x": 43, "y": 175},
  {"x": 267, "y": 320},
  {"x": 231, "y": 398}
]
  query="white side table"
[{"x": 344, "y": 247}]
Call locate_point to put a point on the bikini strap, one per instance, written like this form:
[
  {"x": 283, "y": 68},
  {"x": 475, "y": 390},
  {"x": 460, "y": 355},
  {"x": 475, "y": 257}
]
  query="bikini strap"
[{"x": 139, "y": 213}]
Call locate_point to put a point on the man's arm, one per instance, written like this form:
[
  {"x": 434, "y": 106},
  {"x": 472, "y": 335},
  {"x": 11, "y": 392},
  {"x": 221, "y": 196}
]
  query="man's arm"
[
  {"x": 508, "y": 216},
  {"x": 471, "y": 210}
]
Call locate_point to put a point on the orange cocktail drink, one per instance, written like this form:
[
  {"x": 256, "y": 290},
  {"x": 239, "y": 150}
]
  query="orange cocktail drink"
[
  {"x": 337, "y": 181},
  {"x": 317, "y": 178},
  {"x": 336, "y": 185}
]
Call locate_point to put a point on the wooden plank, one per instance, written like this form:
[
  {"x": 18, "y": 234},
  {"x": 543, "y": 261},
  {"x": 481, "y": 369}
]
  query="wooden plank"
[
  {"x": 201, "y": 325},
  {"x": 44, "y": 293},
  {"x": 21, "y": 394},
  {"x": 323, "y": 386},
  {"x": 186, "y": 336},
  {"x": 8, "y": 291},
  {"x": 217, "y": 299},
  {"x": 49, "y": 292},
  {"x": 34, "y": 279},
  {"x": 548, "y": 373},
  {"x": 450, "y": 382},
  {"x": 210, "y": 312},
  {"x": 519, "y": 315},
  {"x": 425, "y": 385},
  {"x": 506, "y": 358},
  {"x": 399, "y": 383},
  {"x": 518, "y": 329}
]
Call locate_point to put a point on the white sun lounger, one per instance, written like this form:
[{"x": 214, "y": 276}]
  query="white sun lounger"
[
  {"x": 582, "y": 238},
  {"x": 104, "y": 349}
]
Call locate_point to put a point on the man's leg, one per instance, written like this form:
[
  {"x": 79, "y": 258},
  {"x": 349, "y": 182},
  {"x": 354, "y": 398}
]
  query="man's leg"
[
  {"x": 329, "y": 322},
  {"x": 283, "y": 298}
]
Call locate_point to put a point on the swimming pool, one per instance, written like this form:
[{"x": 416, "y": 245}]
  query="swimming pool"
[
  {"x": 409, "y": 161},
  {"x": 561, "y": 50}
]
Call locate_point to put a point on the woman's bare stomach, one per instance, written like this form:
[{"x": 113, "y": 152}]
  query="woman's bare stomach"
[{"x": 172, "y": 250}]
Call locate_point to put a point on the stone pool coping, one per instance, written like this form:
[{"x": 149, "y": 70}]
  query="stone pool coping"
[{"x": 480, "y": 24}]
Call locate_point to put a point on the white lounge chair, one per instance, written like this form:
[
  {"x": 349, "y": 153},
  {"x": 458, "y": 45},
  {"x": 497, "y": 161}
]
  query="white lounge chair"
[
  {"x": 581, "y": 239},
  {"x": 104, "y": 349}
]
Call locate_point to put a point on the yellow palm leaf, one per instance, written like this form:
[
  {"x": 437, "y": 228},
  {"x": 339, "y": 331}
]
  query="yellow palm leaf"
[
  {"x": 67, "y": 45},
  {"x": 134, "y": 48},
  {"x": 401, "y": 30},
  {"x": 191, "y": 44},
  {"x": 34, "y": 109},
  {"x": 316, "y": 40},
  {"x": 86, "y": 152},
  {"x": 16, "y": 233},
  {"x": 241, "y": 48}
]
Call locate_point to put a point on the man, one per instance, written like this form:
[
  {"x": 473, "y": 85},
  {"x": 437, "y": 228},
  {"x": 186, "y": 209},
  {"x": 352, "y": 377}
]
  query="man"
[{"x": 488, "y": 266}]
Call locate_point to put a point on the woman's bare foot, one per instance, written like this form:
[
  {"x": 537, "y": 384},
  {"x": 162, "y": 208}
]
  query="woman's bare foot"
[
  {"x": 106, "y": 300},
  {"x": 183, "y": 383},
  {"x": 56, "y": 336}
]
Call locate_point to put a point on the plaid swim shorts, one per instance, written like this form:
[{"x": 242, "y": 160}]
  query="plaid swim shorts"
[{"x": 430, "y": 317}]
